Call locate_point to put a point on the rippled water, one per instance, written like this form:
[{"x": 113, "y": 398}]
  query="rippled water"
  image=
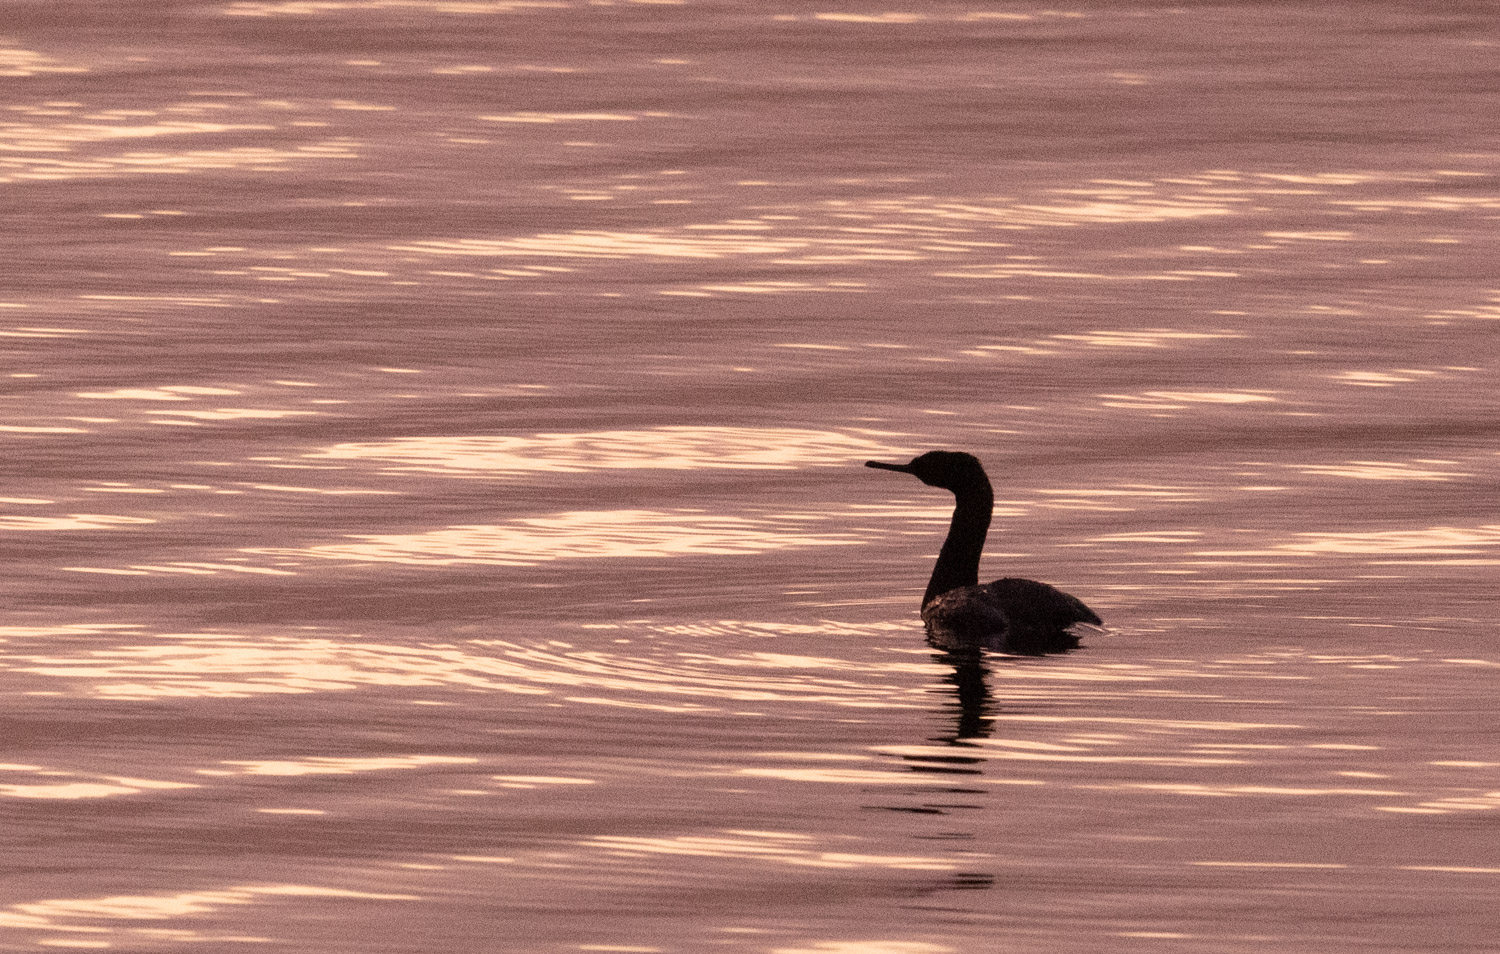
[{"x": 433, "y": 516}]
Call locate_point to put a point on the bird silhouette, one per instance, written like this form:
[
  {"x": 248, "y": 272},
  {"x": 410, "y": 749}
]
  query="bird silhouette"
[{"x": 1010, "y": 615}]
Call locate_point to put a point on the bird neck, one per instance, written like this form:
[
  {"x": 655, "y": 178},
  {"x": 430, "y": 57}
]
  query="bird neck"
[{"x": 958, "y": 562}]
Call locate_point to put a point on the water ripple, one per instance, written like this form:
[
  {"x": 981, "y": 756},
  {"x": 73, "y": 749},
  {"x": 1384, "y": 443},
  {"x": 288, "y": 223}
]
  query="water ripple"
[
  {"x": 658, "y": 448},
  {"x": 575, "y": 535},
  {"x": 127, "y": 663}
]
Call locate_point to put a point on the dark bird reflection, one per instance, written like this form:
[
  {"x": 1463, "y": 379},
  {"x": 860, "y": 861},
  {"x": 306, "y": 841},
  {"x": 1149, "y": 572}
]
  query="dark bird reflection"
[
  {"x": 967, "y": 701},
  {"x": 969, "y": 709},
  {"x": 972, "y": 707}
]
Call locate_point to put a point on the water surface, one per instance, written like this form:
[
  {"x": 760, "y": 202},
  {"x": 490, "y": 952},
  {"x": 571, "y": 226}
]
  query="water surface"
[{"x": 433, "y": 516}]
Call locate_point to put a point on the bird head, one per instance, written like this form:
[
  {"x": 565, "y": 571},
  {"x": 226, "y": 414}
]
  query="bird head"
[{"x": 951, "y": 470}]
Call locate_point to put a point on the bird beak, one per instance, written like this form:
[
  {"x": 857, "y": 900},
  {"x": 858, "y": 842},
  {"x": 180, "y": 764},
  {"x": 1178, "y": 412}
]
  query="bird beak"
[{"x": 881, "y": 465}]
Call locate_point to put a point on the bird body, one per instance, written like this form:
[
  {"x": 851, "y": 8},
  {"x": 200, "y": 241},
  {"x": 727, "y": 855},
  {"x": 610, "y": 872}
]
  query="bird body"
[{"x": 1009, "y": 615}]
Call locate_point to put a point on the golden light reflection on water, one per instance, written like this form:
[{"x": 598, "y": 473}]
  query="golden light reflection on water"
[
  {"x": 16, "y": 61},
  {"x": 900, "y": 18},
  {"x": 551, "y": 118},
  {"x": 330, "y": 765},
  {"x": 112, "y": 920},
  {"x": 1397, "y": 376},
  {"x": 658, "y": 448},
  {"x": 575, "y": 535},
  {"x": 946, "y": 231},
  {"x": 783, "y": 848},
  {"x": 67, "y": 141},
  {"x": 915, "y": 229},
  {"x": 1182, "y": 400},
  {"x": 185, "y": 567},
  {"x": 77, "y": 916},
  {"x": 539, "y": 781},
  {"x": 312, "y": 8},
  {"x": 141, "y": 666},
  {"x": 873, "y": 946},
  {"x": 41, "y": 782},
  {"x": 163, "y": 162},
  {"x": 1144, "y": 337},
  {"x": 72, "y": 521},
  {"x": 1116, "y": 499},
  {"x": 56, "y": 137},
  {"x": 1024, "y": 270},
  {"x": 1489, "y": 310},
  {"x": 176, "y": 392},
  {"x": 1432, "y": 541},
  {"x": 842, "y": 776},
  {"x": 595, "y": 244},
  {"x": 965, "y": 238},
  {"x": 1229, "y": 791},
  {"x": 208, "y": 665},
  {"x": 155, "y": 405},
  {"x": 1386, "y": 470},
  {"x": 183, "y": 405},
  {"x": 33, "y": 331}
]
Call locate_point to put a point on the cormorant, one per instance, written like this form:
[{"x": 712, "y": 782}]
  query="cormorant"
[{"x": 1009, "y": 615}]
